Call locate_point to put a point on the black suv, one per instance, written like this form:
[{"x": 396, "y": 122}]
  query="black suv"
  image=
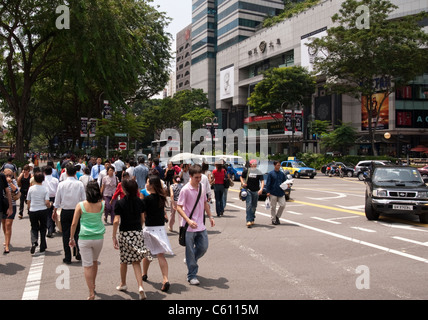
[{"x": 396, "y": 189}]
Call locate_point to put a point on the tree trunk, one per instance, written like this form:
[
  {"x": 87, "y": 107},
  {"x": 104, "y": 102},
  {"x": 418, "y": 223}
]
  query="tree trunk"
[{"x": 20, "y": 132}]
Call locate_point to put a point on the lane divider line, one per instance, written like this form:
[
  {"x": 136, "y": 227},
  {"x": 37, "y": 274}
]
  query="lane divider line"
[{"x": 339, "y": 236}]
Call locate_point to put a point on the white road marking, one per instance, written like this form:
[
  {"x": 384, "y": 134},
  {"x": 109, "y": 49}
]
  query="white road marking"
[
  {"x": 363, "y": 229},
  {"x": 337, "y": 196},
  {"x": 326, "y": 220},
  {"x": 32, "y": 286},
  {"x": 294, "y": 212},
  {"x": 412, "y": 241},
  {"x": 401, "y": 226},
  {"x": 339, "y": 236},
  {"x": 359, "y": 207}
]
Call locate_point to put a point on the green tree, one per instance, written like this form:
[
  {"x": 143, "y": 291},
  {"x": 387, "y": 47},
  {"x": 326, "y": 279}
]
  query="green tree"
[
  {"x": 367, "y": 53},
  {"x": 280, "y": 89},
  {"x": 160, "y": 114},
  {"x": 114, "y": 49},
  {"x": 320, "y": 127},
  {"x": 340, "y": 139}
]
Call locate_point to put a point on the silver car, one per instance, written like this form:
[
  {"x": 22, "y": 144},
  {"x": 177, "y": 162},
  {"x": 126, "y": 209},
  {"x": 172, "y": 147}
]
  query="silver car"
[{"x": 364, "y": 165}]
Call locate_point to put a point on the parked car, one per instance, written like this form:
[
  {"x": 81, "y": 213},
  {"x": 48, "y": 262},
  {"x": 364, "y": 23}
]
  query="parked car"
[
  {"x": 423, "y": 171},
  {"x": 298, "y": 169},
  {"x": 265, "y": 170},
  {"x": 396, "y": 189},
  {"x": 235, "y": 170},
  {"x": 348, "y": 169},
  {"x": 364, "y": 165}
]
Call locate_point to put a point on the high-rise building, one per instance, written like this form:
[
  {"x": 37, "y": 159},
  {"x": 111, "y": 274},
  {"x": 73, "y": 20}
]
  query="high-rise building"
[
  {"x": 217, "y": 25},
  {"x": 183, "y": 58}
]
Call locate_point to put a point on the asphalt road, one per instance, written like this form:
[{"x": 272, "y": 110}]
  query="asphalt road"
[{"x": 324, "y": 249}]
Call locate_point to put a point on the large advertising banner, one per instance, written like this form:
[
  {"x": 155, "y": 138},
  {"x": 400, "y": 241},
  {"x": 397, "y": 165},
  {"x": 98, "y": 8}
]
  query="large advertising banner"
[
  {"x": 227, "y": 81},
  {"x": 383, "y": 121},
  {"x": 307, "y": 54}
]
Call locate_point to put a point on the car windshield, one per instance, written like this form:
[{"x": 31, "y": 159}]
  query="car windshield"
[
  {"x": 397, "y": 176},
  {"x": 299, "y": 164}
]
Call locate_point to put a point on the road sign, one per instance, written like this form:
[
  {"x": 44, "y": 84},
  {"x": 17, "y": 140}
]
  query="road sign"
[
  {"x": 120, "y": 134},
  {"x": 123, "y": 145}
]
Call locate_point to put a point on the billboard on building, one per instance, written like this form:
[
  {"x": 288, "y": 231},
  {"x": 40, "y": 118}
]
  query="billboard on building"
[
  {"x": 307, "y": 54},
  {"x": 227, "y": 80},
  {"x": 383, "y": 111}
]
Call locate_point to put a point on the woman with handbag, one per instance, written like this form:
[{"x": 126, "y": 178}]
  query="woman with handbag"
[
  {"x": 218, "y": 178},
  {"x": 108, "y": 188},
  {"x": 8, "y": 220},
  {"x": 24, "y": 184},
  {"x": 227, "y": 183},
  {"x": 155, "y": 237}
]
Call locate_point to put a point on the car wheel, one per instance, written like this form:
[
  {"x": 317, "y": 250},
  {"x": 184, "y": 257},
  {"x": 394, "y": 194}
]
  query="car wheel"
[
  {"x": 296, "y": 175},
  {"x": 313, "y": 176},
  {"x": 361, "y": 176},
  {"x": 423, "y": 217},
  {"x": 350, "y": 174},
  {"x": 371, "y": 214}
]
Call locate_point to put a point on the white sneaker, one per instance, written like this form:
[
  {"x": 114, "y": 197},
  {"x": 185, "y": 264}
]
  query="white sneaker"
[{"x": 194, "y": 281}]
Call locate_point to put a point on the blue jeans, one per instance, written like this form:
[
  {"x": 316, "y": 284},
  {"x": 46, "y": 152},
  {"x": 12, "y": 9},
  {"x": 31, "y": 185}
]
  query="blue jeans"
[
  {"x": 196, "y": 246},
  {"x": 251, "y": 201},
  {"x": 218, "y": 193}
]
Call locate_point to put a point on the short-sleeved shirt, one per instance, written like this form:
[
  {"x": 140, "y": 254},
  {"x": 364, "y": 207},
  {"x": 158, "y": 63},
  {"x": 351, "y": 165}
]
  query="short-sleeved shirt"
[
  {"x": 37, "y": 194},
  {"x": 187, "y": 199},
  {"x": 130, "y": 211},
  {"x": 155, "y": 215},
  {"x": 110, "y": 185},
  {"x": 254, "y": 179},
  {"x": 219, "y": 176}
]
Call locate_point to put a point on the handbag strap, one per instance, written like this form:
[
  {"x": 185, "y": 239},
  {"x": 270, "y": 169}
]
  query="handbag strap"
[{"x": 196, "y": 203}]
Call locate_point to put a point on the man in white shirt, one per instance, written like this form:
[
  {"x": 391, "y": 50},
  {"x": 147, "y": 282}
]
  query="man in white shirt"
[
  {"x": 103, "y": 173},
  {"x": 69, "y": 193},
  {"x": 119, "y": 166},
  {"x": 51, "y": 184},
  {"x": 131, "y": 168}
]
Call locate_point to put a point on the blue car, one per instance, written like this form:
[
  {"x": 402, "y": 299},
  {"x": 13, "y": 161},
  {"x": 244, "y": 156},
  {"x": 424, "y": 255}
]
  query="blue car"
[{"x": 235, "y": 170}]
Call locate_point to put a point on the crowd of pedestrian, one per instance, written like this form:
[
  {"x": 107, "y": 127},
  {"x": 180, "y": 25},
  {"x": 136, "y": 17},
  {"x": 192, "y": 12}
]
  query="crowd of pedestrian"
[{"x": 81, "y": 197}]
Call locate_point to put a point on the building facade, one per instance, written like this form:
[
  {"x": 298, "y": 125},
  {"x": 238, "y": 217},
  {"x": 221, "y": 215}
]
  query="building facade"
[
  {"x": 183, "y": 59},
  {"x": 239, "y": 68},
  {"x": 217, "y": 25}
]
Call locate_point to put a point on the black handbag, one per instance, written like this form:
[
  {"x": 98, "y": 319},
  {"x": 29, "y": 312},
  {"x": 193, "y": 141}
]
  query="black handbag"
[{"x": 182, "y": 230}]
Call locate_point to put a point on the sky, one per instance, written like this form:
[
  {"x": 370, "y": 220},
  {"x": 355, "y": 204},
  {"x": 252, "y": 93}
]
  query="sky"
[{"x": 179, "y": 10}]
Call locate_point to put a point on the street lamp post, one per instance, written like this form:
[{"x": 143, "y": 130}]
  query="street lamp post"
[
  {"x": 294, "y": 107},
  {"x": 211, "y": 125}
]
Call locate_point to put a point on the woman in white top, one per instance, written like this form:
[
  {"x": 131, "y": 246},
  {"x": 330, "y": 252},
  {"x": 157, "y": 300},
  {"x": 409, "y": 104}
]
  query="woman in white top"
[
  {"x": 86, "y": 176},
  {"x": 38, "y": 202}
]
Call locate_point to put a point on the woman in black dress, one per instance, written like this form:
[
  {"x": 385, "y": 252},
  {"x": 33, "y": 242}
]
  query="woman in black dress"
[{"x": 129, "y": 212}]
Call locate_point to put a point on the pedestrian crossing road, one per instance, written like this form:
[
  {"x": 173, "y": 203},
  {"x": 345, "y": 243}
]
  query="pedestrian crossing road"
[{"x": 324, "y": 249}]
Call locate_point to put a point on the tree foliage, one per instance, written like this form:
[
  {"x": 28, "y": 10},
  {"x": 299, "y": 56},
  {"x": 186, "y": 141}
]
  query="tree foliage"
[
  {"x": 280, "y": 89},
  {"x": 362, "y": 61},
  {"x": 340, "y": 139},
  {"x": 116, "y": 50}
]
